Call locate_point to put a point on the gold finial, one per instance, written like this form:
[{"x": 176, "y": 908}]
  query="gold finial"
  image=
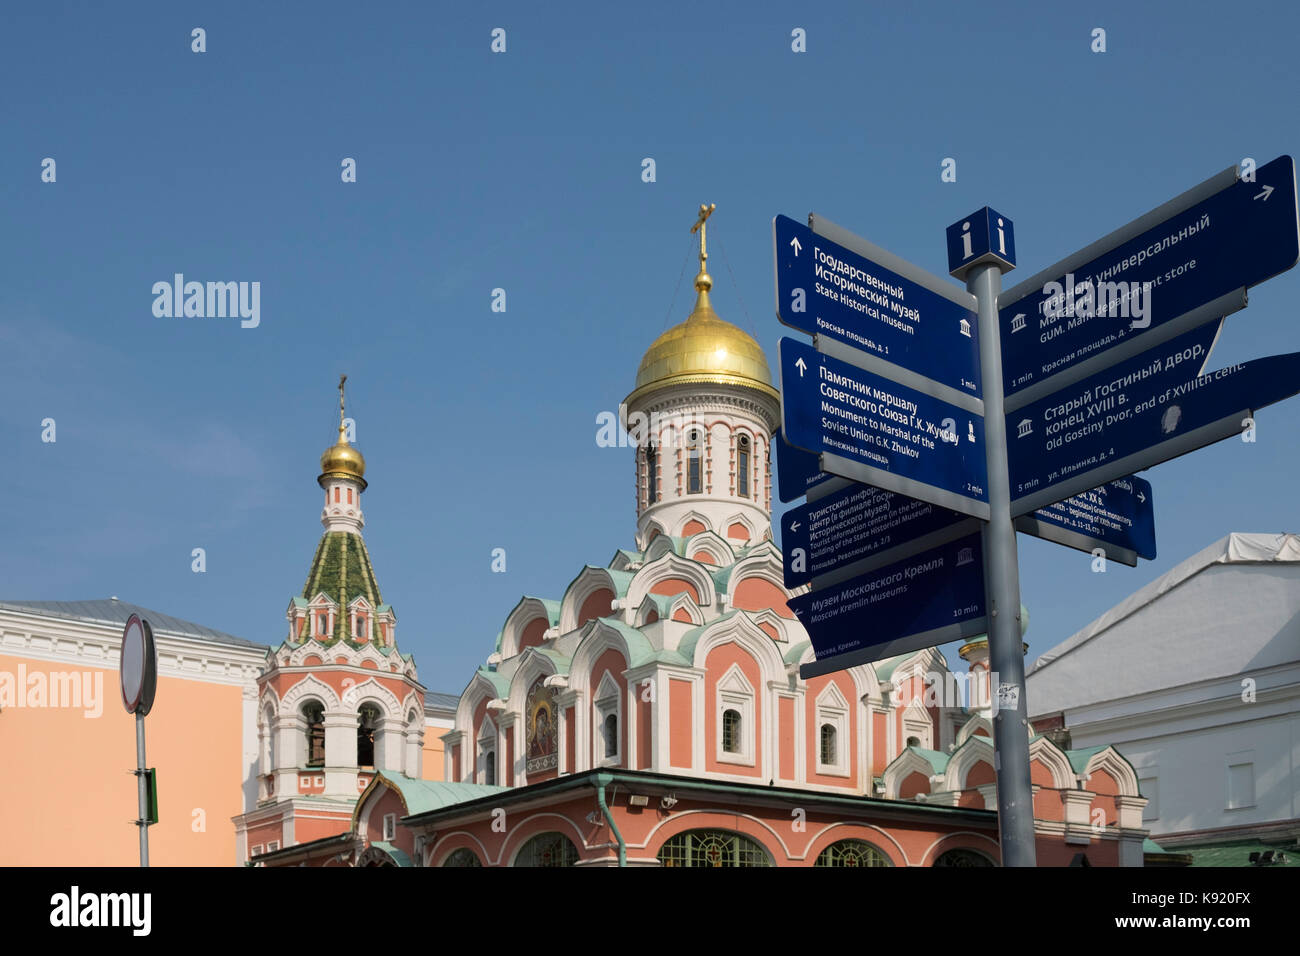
[
  {"x": 342, "y": 429},
  {"x": 703, "y": 281}
]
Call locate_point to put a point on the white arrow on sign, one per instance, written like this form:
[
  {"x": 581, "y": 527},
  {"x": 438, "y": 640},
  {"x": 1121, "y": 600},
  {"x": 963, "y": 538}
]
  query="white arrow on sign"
[
  {"x": 1264, "y": 193},
  {"x": 800, "y": 365},
  {"x": 795, "y": 242},
  {"x": 794, "y": 526},
  {"x": 1142, "y": 498}
]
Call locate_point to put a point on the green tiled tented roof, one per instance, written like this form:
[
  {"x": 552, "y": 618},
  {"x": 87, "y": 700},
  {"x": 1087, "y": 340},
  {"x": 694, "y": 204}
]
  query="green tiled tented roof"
[{"x": 341, "y": 569}]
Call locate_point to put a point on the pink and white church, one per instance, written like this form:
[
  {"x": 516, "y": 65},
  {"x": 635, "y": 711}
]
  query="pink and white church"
[{"x": 651, "y": 712}]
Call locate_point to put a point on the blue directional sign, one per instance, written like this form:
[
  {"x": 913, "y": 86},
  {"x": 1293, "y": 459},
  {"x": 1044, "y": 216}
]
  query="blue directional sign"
[
  {"x": 1117, "y": 518},
  {"x": 1164, "y": 269},
  {"x": 1151, "y": 408},
  {"x": 796, "y": 470},
  {"x": 927, "y": 599},
  {"x": 870, "y": 429},
  {"x": 823, "y": 288},
  {"x": 853, "y": 525}
]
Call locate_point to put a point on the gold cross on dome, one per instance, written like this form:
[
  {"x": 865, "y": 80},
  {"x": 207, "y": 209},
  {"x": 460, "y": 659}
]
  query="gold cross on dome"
[
  {"x": 342, "y": 380},
  {"x": 705, "y": 213}
]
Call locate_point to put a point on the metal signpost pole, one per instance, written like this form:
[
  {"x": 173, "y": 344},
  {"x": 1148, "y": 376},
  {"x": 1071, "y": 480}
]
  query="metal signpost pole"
[
  {"x": 1002, "y": 588},
  {"x": 142, "y": 783}
]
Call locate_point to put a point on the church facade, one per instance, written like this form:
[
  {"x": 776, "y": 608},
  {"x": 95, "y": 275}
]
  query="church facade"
[{"x": 652, "y": 714}]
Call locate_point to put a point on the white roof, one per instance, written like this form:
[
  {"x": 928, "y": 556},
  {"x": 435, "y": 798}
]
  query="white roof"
[{"x": 1237, "y": 549}]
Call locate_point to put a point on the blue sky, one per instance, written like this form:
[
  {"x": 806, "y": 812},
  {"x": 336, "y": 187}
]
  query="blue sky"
[{"x": 522, "y": 171}]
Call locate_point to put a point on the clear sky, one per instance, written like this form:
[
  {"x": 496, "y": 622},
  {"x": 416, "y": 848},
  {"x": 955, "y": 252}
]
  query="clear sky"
[{"x": 522, "y": 171}]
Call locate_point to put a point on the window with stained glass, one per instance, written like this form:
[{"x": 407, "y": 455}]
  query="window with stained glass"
[
  {"x": 461, "y": 857},
  {"x": 963, "y": 858},
  {"x": 712, "y": 848},
  {"x": 852, "y": 853},
  {"x": 547, "y": 849}
]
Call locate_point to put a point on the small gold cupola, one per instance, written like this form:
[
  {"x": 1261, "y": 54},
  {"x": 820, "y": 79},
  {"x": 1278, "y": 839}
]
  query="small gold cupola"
[{"x": 341, "y": 460}]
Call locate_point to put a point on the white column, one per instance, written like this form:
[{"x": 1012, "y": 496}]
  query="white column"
[
  {"x": 388, "y": 746},
  {"x": 289, "y": 738},
  {"x": 340, "y": 753}
]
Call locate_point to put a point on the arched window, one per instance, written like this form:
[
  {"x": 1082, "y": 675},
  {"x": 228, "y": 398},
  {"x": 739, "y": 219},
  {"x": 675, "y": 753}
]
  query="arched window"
[
  {"x": 547, "y": 849},
  {"x": 462, "y": 857},
  {"x": 611, "y": 735},
  {"x": 963, "y": 858},
  {"x": 742, "y": 466},
  {"x": 314, "y": 714},
  {"x": 731, "y": 731},
  {"x": 914, "y": 741},
  {"x": 694, "y": 463},
  {"x": 651, "y": 475},
  {"x": 852, "y": 853},
  {"x": 367, "y": 726},
  {"x": 828, "y": 744},
  {"x": 712, "y": 848},
  {"x": 490, "y": 768}
]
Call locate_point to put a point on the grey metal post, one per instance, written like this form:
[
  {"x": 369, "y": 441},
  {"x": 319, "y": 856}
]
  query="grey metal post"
[
  {"x": 142, "y": 787},
  {"x": 1002, "y": 591}
]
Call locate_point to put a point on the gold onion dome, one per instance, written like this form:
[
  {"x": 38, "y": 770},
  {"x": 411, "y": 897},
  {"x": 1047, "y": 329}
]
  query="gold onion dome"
[
  {"x": 341, "y": 460},
  {"x": 704, "y": 348}
]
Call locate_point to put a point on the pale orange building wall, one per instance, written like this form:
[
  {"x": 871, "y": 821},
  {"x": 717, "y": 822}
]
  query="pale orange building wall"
[
  {"x": 66, "y": 795},
  {"x": 434, "y": 765}
]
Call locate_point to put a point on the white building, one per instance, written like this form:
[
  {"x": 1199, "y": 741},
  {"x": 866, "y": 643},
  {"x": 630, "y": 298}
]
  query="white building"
[{"x": 1196, "y": 680}]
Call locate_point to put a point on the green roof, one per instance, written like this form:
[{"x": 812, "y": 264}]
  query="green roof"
[
  {"x": 1079, "y": 758},
  {"x": 686, "y": 646},
  {"x": 935, "y": 758},
  {"x": 886, "y": 667},
  {"x": 639, "y": 649},
  {"x": 341, "y": 570},
  {"x": 421, "y": 796},
  {"x": 398, "y": 855},
  {"x": 622, "y": 580},
  {"x": 498, "y": 681},
  {"x": 1238, "y": 854}
]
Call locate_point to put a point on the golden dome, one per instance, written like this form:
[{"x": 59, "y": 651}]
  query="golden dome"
[
  {"x": 704, "y": 348},
  {"x": 341, "y": 460}
]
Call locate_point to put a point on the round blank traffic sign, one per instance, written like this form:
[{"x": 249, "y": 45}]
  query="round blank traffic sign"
[{"x": 139, "y": 666}]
